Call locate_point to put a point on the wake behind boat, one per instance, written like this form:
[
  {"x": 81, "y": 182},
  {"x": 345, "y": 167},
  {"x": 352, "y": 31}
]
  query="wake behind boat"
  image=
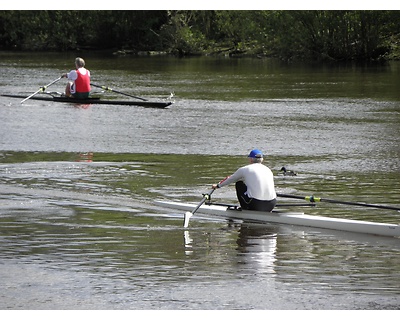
[
  {"x": 95, "y": 100},
  {"x": 291, "y": 218}
]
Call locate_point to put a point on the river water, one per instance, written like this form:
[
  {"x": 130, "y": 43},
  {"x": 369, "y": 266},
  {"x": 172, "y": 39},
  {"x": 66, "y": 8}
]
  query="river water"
[{"x": 79, "y": 227}]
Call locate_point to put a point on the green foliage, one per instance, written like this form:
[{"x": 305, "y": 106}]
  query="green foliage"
[
  {"x": 289, "y": 35},
  {"x": 180, "y": 34}
]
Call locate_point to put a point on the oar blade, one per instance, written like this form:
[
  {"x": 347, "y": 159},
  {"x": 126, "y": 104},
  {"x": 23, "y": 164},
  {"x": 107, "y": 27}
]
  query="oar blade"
[
  {"x": 186, "y": 219},
  {"x": 206, "y": 196}
]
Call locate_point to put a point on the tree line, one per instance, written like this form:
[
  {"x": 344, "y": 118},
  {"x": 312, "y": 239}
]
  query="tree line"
[{"x": 288, "y": 35}]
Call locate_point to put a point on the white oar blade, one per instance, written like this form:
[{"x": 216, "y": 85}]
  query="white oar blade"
[{"x": 186, "y": 219}]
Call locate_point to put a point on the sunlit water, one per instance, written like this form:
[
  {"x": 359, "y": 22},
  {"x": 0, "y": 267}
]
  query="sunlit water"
[{"x": 79, "y": 228}]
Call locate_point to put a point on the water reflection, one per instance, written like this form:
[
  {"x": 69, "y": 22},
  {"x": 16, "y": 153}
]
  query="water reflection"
[
  {"x": 84, "y": 157},
  {"x": 188, "y": 243},
  {"x": 82, "y": 106},
  {"x": 257, "y": 247}
]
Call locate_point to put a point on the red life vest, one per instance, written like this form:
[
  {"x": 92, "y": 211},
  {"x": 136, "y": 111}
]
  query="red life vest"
[{"x": 82, "y": 83}]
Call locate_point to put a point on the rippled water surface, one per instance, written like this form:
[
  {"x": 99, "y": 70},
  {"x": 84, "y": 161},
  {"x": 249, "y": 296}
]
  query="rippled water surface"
[{"x": 79, "y": 228}]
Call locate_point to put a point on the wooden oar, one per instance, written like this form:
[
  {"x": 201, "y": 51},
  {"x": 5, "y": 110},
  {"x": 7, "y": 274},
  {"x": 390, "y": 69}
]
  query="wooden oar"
[
  {"x": 112, "y": 90},
  {"x": 188, "y": 214},
  {"x": 41, "y": 89},
  {"x": 315, "y": 199}
]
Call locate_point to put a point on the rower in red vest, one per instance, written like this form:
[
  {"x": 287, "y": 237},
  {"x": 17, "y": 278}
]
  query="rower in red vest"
[{"x": 79, "y": 85}]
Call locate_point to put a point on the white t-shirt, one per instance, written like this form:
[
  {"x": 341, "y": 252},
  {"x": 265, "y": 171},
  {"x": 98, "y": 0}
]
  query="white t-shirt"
[{"x": 258, "y": 178}]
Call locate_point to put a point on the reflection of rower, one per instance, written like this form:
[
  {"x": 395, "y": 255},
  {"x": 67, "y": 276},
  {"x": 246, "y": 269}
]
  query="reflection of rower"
[
  {"x": 259, "y": 242},
  {"x": 85, "y": 157}
]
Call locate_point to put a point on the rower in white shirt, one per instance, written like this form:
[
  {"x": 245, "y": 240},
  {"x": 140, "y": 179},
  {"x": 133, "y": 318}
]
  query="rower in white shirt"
[{"x": 255, "y": 187}]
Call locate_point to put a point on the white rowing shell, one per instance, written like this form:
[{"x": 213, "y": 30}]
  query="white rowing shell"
[{"x": 293, "y": 218}]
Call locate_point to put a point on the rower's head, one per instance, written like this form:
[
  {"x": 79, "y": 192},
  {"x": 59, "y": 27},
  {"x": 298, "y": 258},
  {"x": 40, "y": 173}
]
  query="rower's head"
[
  {"x": 255, "y": 156},
  {"x": 79, "y": 62}
]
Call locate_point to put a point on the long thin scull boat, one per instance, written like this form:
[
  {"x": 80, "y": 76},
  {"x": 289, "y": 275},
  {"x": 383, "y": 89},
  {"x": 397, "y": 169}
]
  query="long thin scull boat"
[
  {"x": 95, "y": 100},
  {"x": 292, "y": 218}
]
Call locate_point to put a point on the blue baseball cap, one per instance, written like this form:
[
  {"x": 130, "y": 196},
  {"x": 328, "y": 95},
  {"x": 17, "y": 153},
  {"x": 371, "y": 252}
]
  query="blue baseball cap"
[{"x": 255, "y": 154}]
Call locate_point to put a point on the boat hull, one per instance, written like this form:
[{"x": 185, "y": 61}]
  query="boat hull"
[
  {"x": 94, "y": 100},
  {"x": 290, "y": 218}
]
